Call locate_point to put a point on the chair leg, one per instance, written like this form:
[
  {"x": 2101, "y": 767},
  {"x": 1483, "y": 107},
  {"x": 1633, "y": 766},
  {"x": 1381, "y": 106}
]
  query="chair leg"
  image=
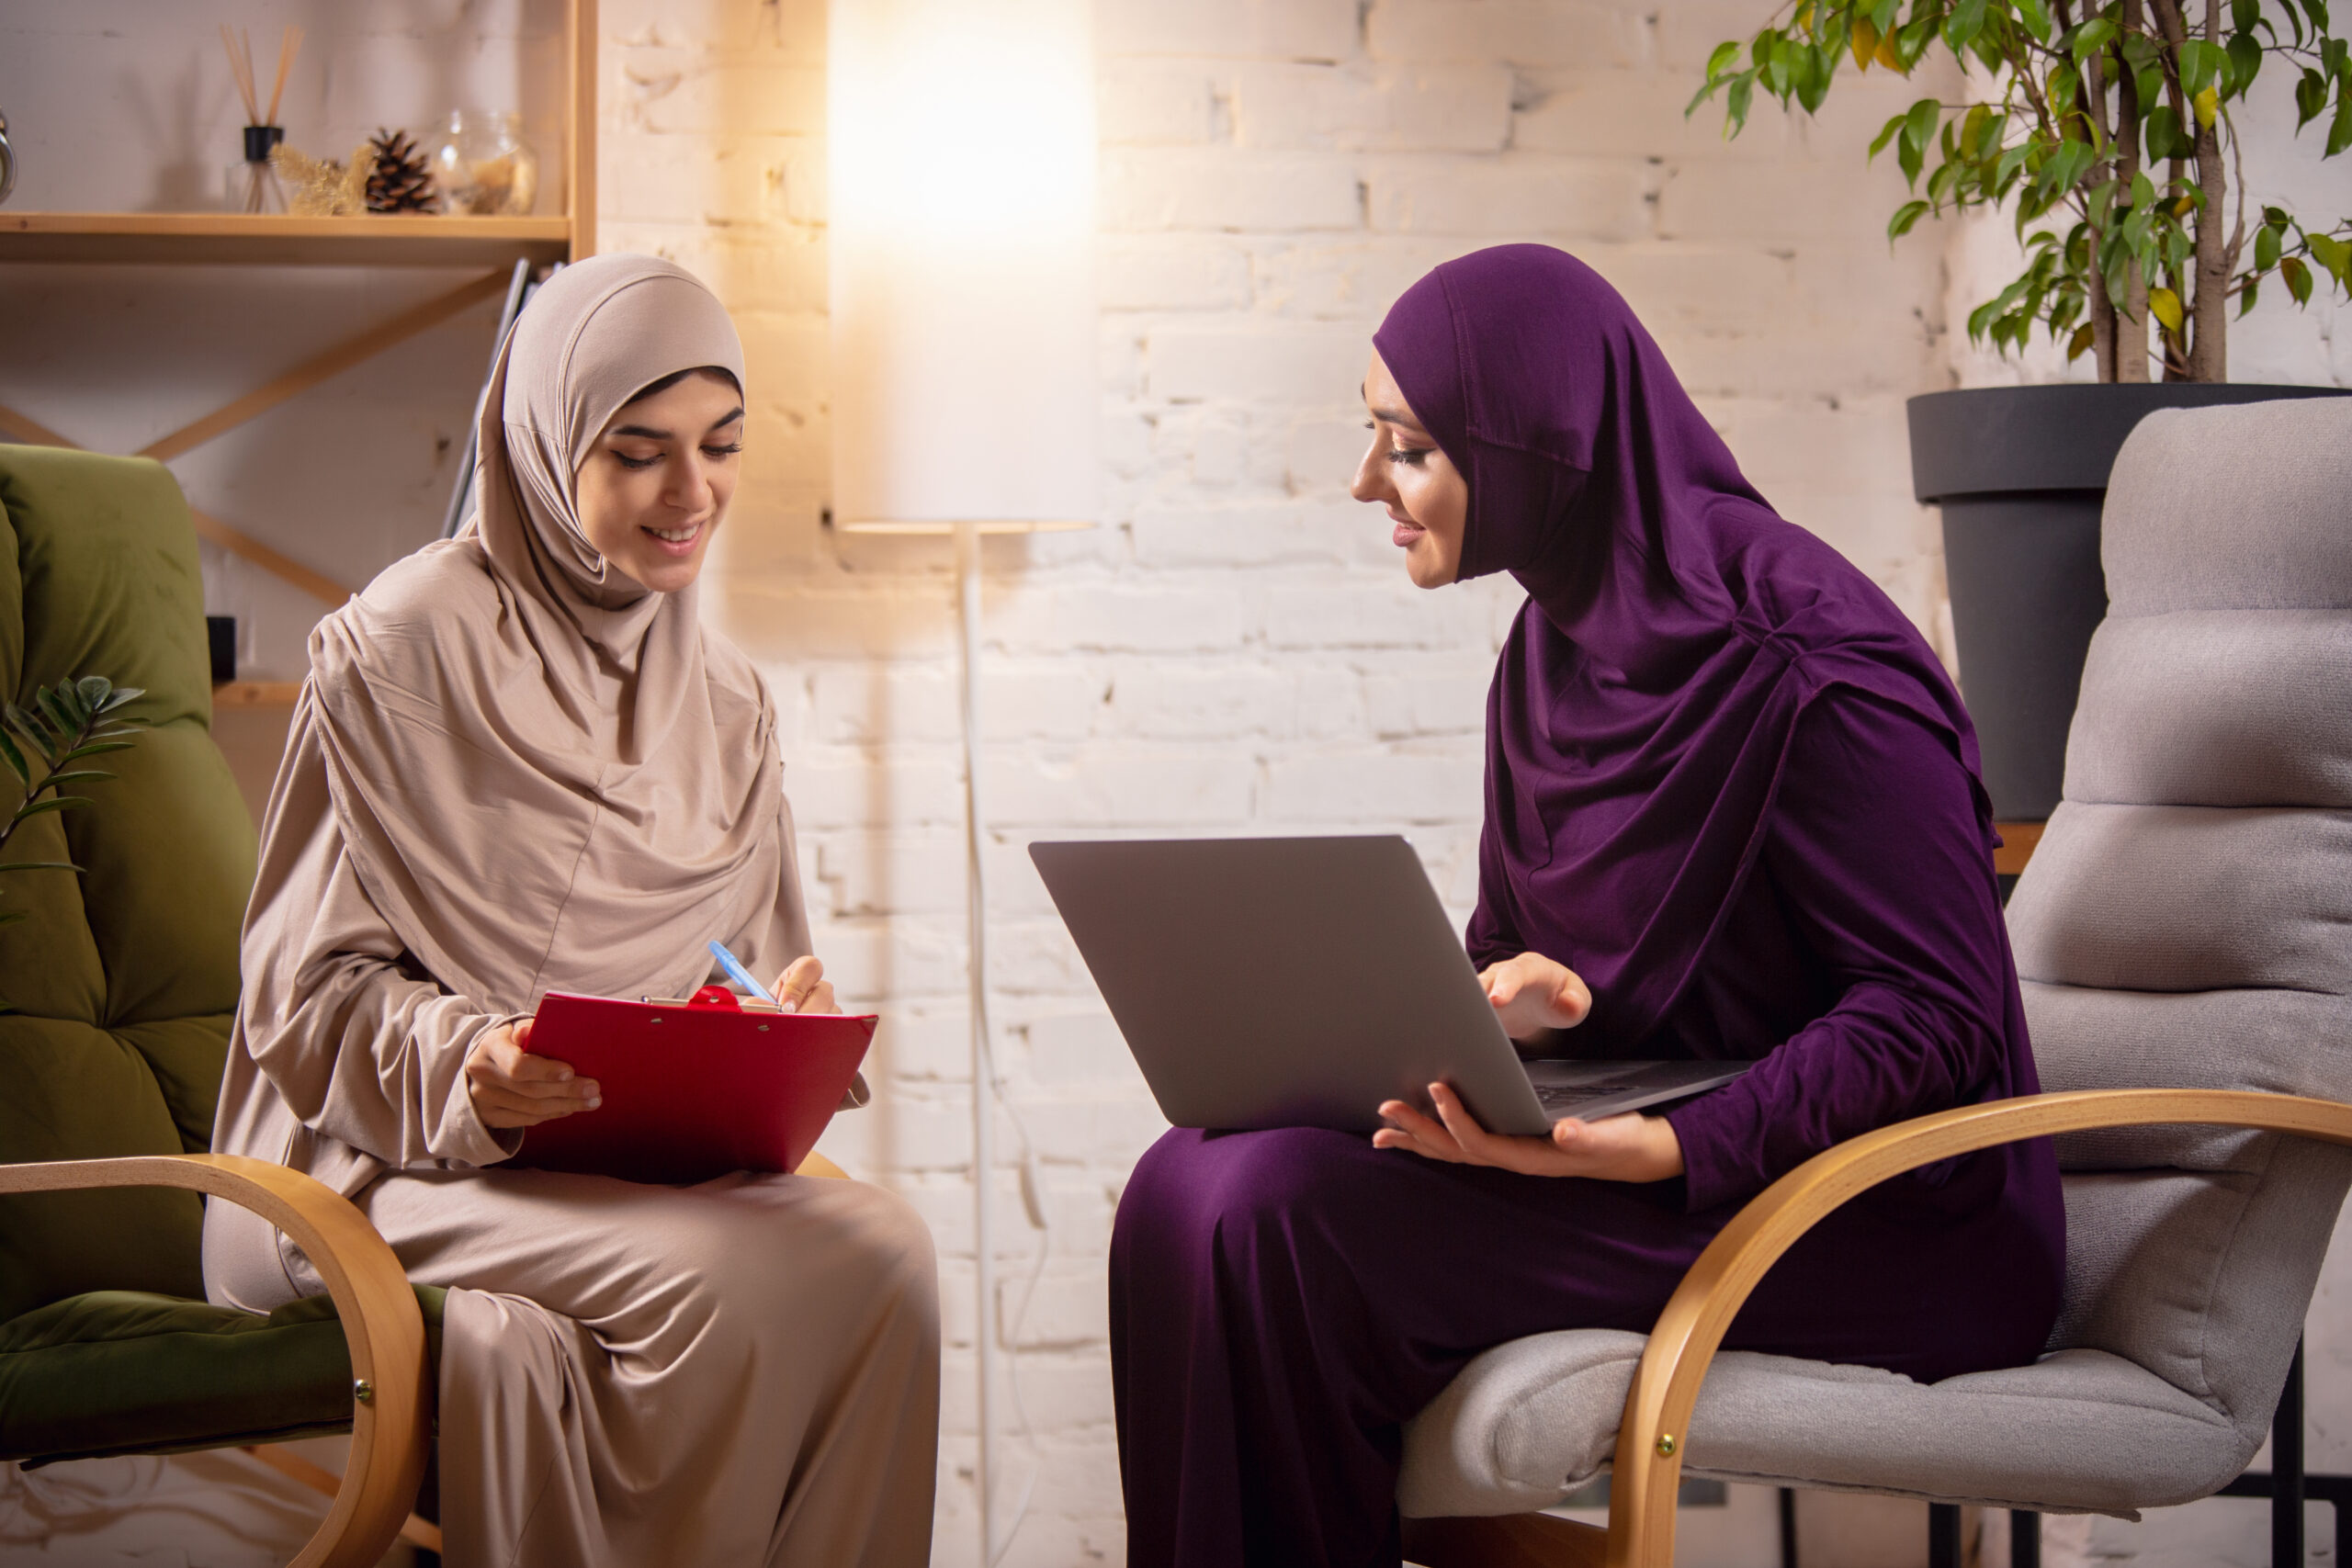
[
  {"x": 1788, "y": 1526},
  {"x": 1943, "y": 1535},
  {"x": 2287, "y": 1470},
  {"x": 2025, "y": 1538}
]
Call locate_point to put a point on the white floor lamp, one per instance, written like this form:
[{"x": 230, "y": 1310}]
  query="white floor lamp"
[{"x": 964, "y": 387}]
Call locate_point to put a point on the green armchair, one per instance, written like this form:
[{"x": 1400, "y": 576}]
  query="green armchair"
[{"x": 119, "y": 990}]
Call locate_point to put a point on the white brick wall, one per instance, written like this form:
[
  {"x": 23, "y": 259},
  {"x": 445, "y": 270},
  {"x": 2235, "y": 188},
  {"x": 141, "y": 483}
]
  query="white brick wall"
[{"x": 1234, "y": 649}]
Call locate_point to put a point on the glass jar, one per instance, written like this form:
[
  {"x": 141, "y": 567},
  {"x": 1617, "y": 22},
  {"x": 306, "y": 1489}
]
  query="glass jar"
[
  {"x": 484, "y": 168},
  {"x": 252, "y": 185}
]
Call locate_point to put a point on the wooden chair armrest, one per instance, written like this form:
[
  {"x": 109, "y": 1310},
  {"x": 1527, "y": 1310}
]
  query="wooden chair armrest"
[
  {"x": 391, "y": 1392},
  {"x": 1648, "y": 1467}
]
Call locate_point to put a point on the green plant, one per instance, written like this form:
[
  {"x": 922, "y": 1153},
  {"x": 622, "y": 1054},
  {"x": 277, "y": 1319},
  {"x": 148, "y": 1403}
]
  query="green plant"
[
  {"x": 68, "y": 723},
  {"x": 2110, "y": 120}
]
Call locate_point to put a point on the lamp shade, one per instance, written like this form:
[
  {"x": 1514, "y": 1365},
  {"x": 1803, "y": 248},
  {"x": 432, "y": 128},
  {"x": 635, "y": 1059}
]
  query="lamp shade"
[{"x": 961, "y": 226}]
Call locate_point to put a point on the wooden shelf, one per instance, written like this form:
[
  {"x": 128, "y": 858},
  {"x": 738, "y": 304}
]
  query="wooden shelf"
[
  {"x": 256, "y": 695},
  {"x": 238, "y": 239}
]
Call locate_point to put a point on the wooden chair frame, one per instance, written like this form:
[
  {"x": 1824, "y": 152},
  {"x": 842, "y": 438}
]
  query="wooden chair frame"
[
  {"x": 1648, "y": 1465},
  {"x": 391, "y": 1410}
]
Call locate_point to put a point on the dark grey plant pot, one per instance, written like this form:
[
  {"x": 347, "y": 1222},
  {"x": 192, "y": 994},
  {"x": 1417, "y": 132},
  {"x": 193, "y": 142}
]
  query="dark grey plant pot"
[{"x": 2020, "y": 473}]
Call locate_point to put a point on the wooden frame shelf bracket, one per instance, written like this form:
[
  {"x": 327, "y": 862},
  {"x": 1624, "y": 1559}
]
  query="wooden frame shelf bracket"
[{"x": 291, "y": 383}]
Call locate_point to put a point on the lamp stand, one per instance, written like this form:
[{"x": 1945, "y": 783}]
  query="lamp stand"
[{"x": 968, "y": 583}]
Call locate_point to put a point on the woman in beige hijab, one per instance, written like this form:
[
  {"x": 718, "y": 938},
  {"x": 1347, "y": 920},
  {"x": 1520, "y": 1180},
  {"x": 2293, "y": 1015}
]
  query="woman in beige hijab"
[{"x": 521, "y": 764}]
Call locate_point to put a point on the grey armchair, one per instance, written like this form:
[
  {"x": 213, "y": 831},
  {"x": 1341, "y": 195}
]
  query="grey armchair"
[{"x": 2185, "y": 934}]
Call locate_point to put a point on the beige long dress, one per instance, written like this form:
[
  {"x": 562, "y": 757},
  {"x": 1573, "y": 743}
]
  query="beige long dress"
[
  {"x": 513, "y": 771},
  {"x": 744, "y": 1371}
]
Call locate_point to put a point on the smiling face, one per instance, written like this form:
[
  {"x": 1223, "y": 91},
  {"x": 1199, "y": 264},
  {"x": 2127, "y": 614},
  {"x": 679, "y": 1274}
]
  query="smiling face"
[
  {"x": 1427, "y": 497},
  {"x": 657, "y": 482}
]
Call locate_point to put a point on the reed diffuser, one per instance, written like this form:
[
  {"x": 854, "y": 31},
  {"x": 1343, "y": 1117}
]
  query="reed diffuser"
[{"x": 252, "y": 185}]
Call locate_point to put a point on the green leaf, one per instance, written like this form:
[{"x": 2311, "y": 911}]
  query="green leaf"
[
  {"x": 1721, "y": 59},
  {"x": 2266, "y": 248},
  {"x": 2332, "y": 253},
  {"x": 2244, "y": 14},
  {"x": 2164, "y": 138},
  {"x": 54, "y": 803},
  {"x": 1918, "y": 131},
  {"x": 2317, "y": 11},
  {"x": 94, "y": 749},
  {"x": 16, "y": 760},
  {"x": 2100, "y": 203},
  {"x": 122, "y": 696},
  {"x": 2298, "y": 280},
  {"x": 1971, "y": 128},
  {"x": 2311, "y": 97},
  {"x": 2164, "y": 304},
  {"x": 2340, "y": 130},
  {"x": 2246, "y": 297},
  {"x": 1963, "y": 23},
  {"x": 92, "y": 690},
  {"x": 1886, "y": 134},
  {"x": 2090, "y": 38},
  {"x": 1742, "y": 88},
  {"x": 2065, "y": 83},
  {"x": 2037, "y": 19},
  {"x": 2246, "y": 63},
  {"x": 2082, "y": 342},
  {"x": 1905, "y": 216},
  {"x": 51, "y": 702},
  {"x": 39, "y": 866},
  {"x": 75, "y": 776},
  {"x": 2200, "y": 65},
  {"x": 1813, "y": 81},
  {"x": 30, "y": 727}
]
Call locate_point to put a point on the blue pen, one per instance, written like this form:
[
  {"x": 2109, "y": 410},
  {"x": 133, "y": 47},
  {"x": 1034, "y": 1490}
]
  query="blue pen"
[{"x": 741, "y": 976}]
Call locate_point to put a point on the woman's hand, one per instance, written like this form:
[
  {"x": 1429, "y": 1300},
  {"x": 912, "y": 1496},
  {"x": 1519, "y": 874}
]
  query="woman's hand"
[
  {"x": 1534, "y": 995},
  {"x": 511, "y": 1088},
  {"x": 1630, "y": 1148},
  {"x": 802, "y": 988}
]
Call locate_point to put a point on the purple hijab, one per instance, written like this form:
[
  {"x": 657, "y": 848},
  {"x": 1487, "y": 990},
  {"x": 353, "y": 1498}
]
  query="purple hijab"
[{"x": 1676, "y": 628}]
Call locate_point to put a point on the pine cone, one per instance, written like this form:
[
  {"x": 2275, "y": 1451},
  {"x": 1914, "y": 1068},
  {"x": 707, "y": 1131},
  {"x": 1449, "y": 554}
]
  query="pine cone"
[{"x": 401, "y": 180}]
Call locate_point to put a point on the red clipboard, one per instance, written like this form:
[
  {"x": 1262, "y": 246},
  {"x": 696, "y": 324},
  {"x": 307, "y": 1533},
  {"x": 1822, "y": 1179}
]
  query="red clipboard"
[{"x": 691, "y": 1090}]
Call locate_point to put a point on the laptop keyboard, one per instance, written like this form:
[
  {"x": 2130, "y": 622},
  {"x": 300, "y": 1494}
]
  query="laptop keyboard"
[{"x": 1568, "y": 1096}]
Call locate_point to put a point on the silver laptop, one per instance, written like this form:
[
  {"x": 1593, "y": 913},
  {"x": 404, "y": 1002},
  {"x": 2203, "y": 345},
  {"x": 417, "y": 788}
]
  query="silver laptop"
[{"x": 1300, "y": 982}]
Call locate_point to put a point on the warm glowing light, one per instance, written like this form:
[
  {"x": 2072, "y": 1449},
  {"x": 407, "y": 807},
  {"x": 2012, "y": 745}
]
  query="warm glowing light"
[{"x": 962, "y": 238}]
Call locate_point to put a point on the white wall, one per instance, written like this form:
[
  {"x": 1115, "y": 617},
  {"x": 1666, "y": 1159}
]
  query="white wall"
[{"x": 1233, "y": 649}]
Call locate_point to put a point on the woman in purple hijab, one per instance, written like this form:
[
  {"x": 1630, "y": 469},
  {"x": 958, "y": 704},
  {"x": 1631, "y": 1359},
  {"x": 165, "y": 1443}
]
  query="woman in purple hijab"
[{"x": 1732, "y": 812}]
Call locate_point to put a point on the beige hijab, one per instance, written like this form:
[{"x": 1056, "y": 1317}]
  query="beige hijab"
[{"x": 543, "y": 771}]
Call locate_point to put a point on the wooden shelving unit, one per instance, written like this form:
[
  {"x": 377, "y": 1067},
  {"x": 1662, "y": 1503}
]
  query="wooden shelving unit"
[
  {"x": 238, "y": 239},
  {"x": 489, "y": 246}
]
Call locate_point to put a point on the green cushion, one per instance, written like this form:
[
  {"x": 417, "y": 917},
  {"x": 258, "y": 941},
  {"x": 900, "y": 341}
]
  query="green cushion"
[
  {"x": 129, "y": 1372},
  {"x": 123, "y": 981}
]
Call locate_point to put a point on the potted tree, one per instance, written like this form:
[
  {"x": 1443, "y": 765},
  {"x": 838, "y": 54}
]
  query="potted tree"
[{"x": 2108, "y": 126}]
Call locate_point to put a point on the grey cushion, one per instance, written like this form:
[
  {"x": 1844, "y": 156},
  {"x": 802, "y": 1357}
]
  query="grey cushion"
[
  {"x": 2185, "y": 921},
  {"x": 2170, "y": 898},
  {"x": 2189, "y": 709},
  {"x": 2083, "y": 1431},
  {"x": 2238, "y": 508}
]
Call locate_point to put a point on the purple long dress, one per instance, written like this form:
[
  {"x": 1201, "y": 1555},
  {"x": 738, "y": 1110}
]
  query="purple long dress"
[{"x": 1728, "y": 784}]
